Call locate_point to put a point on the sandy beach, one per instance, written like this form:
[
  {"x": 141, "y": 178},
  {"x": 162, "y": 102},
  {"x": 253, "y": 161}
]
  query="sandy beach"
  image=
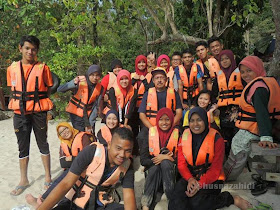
[{"x": 9, "y": 171}]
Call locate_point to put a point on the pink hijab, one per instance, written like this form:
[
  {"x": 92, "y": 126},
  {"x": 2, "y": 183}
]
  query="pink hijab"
[
  {"x": 163, "y": 56},
  {"x": 255, "y": 64},
  {"x": 121, "y": 74},
  {"x": 137, "y": 60}
]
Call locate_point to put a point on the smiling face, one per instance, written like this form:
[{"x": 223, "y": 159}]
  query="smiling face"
[
  {"x": 164, "y": 63},
  {"x": 247, "y": 74},
  {"x": 151, "y": 60},
  {"x": 65, "y": 132},
  {"x": 203, "y": 100},
  {"x": 197, "y": 125},
  {"x": 94, "y": 77},
  {"x": 117, "y": 69},
  {"x": 29, "y": 53},
  {"x": 141, "y": 65},
  {"x": 176, "y": 60},
  {"x": 111, "y": 121},
  {"x": 225, "y": 61},
  {"x": 164, "y": 123},
  {"x": 119, "y": 150},
  {"x": 215, "y": 48},
  {"x": 124, "y": 82}
]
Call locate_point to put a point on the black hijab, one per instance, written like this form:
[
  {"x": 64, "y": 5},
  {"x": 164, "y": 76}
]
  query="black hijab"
[
  {"x": 197, "y": 139},
  {"x": 92, "y": 69}
]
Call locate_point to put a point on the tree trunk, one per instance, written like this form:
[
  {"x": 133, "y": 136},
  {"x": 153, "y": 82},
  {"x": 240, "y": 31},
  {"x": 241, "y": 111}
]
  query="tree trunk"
[{"x": 274, "y": 68}]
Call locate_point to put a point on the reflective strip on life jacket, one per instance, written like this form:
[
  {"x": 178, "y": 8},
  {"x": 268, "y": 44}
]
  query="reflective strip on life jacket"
[
  {"x": 152, "y": 103},
  {"x": 79, "y": 104},
  {"x": 122, "y": 101},
  {"x": 229, "y": 93},
  {"x": 154, "y": 143},
  {"x": 141, "y": 89},
  {"x": 247, "y": 116},
  {"x": 90, "y": 178},
  {"x": 205, "y": 154},
  {"x": 34, "y": 98}
]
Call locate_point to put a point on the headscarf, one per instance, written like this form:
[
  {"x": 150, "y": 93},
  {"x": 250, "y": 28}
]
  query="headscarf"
[
  {"x": 164, "y": 135},
  {"x": 111, "y": 111},
  {"x": 255, "y": 64},
  {"x": 73, "y": 130},
  {"x": 197, "y": 139},
  {"x": 137, "y": 70},
  {"x": 122, "y": 73},
  {"x": 92, "y": 69},
  {"x": 163, "y": 56},
  {"x": 116, "y": 62},
  {"x": 232, "y": 67}
]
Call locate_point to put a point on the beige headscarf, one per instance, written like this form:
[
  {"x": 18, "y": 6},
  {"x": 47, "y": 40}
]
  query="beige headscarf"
[{"x": 73, "y": 130}]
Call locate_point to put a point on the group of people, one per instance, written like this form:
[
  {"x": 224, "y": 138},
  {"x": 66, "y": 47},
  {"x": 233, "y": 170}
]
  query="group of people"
[{"x": 191, "y": 121}]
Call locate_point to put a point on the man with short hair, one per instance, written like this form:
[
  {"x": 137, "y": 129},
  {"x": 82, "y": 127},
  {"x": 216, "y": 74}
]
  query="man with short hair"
[
  {"x": 176, "y": 64},
  {"x": 209, "y": 67},
  {"x": 94, "y": 175},
  {"x": 215, "y": 46},
  {"x": 30, "y": 83},
  {"x": 156, "y": 98}
]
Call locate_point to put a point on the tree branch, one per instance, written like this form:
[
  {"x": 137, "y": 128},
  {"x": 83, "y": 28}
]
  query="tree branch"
[
  {"x": 217, "y": 17},
  {"x": 209, "y": 7},
  {"x": 176, "y": 38}
]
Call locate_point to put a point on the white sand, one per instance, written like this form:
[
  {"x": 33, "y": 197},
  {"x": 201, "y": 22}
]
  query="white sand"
[{"x": 9, "y": 171}]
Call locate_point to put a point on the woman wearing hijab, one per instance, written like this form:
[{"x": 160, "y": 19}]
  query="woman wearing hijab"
[
  {"x": 72, "y": 142},
  {"x": 84, "y": 105},
  {"x": 200, "y": 163},
  {"x": 105, "y": 133},
  {"x": 164, "y": 62},
  {"x": 122, "y": 97},
  {"x": 259, "y": 111},
  {"x": 230, "y": 88},
  {"x": 158, "y": 155}
]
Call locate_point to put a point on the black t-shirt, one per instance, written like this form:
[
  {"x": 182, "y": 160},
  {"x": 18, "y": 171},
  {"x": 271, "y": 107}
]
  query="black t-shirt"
[
  {"x": 161, "y": 98},
  {"x": 85, "y": 157}
]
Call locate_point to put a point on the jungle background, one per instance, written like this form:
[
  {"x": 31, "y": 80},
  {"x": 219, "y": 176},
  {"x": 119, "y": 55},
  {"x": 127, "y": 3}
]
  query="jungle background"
[{"x": 77, "y": 33}]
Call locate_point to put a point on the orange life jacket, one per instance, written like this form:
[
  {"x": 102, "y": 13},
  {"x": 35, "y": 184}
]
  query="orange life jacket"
[
  {"x": 77, "y": 145},
  {"x": 112, "y": 80},
  {"x": 122, "y": 102},
  {"x": 90, "y": 178},
  {"x": 183, "y": 75},
  {"x": 205, "y": 154},
  {"x": 79, "y": 103},
  {"x": 106, "y": 133},
  {"x": 152, "y": 103},
  {"x": 214, "y": 67},
  {"x": 154, "y": 144},
  {"x": 141, "y": 89},
  {"x": 229, "y": 93},
  {"x": 247, "y": 116},
  {"x": 34, "y": 98}
]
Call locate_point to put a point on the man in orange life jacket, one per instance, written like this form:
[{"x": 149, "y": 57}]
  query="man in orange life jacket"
[
  {"x": 104, "y": 169},
  {"x": 156, "y": 98},
  {"x": 30, "y": 83},
  {"x": 190, "y": 88},
  {"x": 209, "y": 68}
]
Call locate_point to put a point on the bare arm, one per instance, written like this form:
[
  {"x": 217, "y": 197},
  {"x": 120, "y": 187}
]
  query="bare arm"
[
  {"x": 59, "y": 191},
  {"x": 209, "y": 84},
  {"x": 200, "y": 84},
  {"x": 129, "y": 199},
  {"x": 180, "y": 89},
  {"x": 178, "y": 116},
  {"x": 144, "y": 120}
]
